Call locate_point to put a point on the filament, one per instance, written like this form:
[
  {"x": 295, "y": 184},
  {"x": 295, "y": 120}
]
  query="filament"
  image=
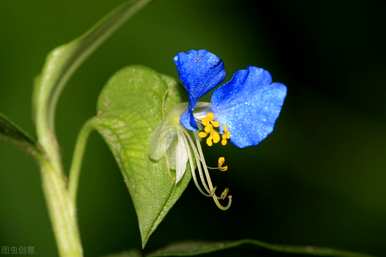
[
  {"x": 212, "y": 189},
  {"x": 206, "y": 188},
  {"x": 192, "y": 169},
  {"x": 199, "y": 168}
]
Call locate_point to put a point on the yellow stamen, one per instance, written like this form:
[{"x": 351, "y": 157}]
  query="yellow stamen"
[
  {"x": 220, "y": 164},
  {"x": 208, "y": 128},
  {"x": 207, "y": 119},
  {"x": 211, "y": 131},
  {"x": 209, "y": 141},
  {"x": 223, "y": 169},
  {"x": 216, "y": 136},
  {"x": 225, "y": 136},
  {"x": 202, "y": 134},
  {"x": 215, "y": 124},
  {"x": 210, "y": 116},
  {"x": 226, "y": 133},
  {"x": 221, "y": 161}
]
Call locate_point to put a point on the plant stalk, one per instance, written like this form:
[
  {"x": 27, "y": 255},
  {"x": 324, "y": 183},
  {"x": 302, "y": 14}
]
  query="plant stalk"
[
  {"x": 80, "y": 147},
  {"x": 61, "y": 211}
]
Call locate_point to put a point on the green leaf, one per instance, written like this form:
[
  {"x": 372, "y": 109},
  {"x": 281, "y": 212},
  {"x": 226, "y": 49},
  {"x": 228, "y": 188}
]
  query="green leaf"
[
  {"x": 130, "y": 107},
  {"x": 63, "y": 61},
  {"x": 255, "y": 249},
  {"x": 10, "y": 132}
]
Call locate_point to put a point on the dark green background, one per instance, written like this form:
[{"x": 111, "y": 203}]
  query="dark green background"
[{"x": 319, "y": 179}]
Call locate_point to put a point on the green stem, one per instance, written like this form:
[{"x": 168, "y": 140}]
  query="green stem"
[
  {"x": 61, "y": 211},
  {"x": 77, "y": 158},
  {"x": 61, "y": 208}
]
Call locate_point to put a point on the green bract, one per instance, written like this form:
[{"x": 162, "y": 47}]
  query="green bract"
[{"x": 130, "y": 107}]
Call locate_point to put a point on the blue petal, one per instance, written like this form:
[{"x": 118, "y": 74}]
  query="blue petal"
[
  {"x": 248, "y": 105},
  {"x": 200, "y": 71}
]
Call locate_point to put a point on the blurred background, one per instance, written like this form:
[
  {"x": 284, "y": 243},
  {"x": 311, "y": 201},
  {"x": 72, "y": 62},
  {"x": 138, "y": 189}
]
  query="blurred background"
[{"x": 320, "y": 179}]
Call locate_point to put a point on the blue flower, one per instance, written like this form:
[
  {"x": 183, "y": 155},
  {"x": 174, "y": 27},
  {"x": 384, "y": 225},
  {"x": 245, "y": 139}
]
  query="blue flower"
[{"x": 243, "y": 109}]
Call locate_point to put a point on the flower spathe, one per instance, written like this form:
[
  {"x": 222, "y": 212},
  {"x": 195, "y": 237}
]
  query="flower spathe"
[{"x": 248, "y": 105}]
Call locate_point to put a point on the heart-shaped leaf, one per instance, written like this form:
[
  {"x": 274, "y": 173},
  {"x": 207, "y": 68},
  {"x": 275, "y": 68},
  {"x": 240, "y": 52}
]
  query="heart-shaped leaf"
[
  {"x": 254, "y": 247},
  {"x": 130, "y": 107}
]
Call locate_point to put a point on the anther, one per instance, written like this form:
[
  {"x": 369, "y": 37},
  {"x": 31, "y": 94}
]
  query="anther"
[
  {"x": 220, "y": 164},
  {"x": 202, "y": 134},
  {"x": 224, "y": 193},
  {"x": 221, "y": 206},
  {"x": 216, "y": 137},
  {"x": 225, "y": 136},
  {"x": 209, "y": 141},
  {"x": 208, "y": 128},
  {"x": 215, "y": 124},
  {"x": 210, "y": 116}
]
